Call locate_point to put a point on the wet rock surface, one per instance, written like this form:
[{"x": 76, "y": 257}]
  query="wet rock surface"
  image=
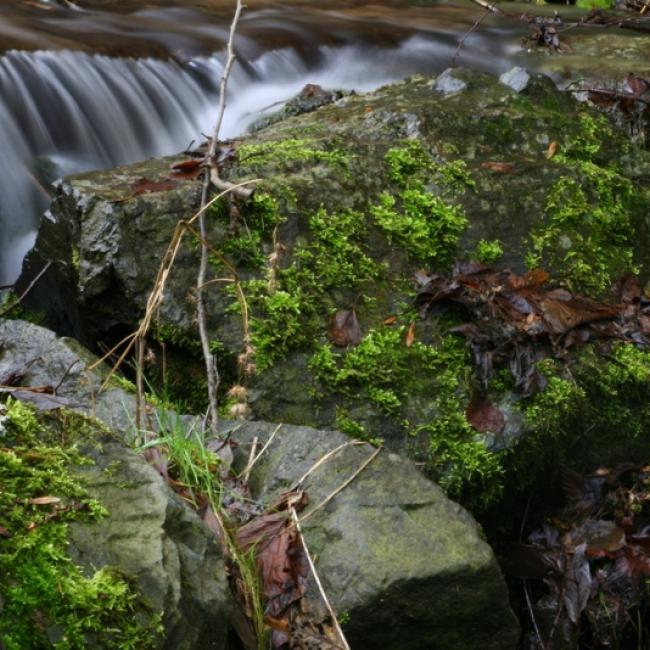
[
  {"x": 354, "y": 199},
  {"x": 407, "y": 566}
]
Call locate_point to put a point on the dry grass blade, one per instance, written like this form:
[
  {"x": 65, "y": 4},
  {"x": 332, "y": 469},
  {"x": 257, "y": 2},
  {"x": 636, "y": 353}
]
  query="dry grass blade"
[
  {"x": 157, "y": 293},
  {"x": 323, "y": 459},
  {"x": 342, "y": 487},
  {"x": 249, "y": 466},
  {"x": 312, "y": 566},
  {"x": 20, "y": 298}
]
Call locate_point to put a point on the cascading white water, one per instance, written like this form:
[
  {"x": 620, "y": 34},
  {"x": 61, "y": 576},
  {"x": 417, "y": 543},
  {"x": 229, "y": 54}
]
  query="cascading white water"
[{"x": 68, "y": 111}]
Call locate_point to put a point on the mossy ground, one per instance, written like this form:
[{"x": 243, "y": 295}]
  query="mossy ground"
[{"x": 47, "y": 601}]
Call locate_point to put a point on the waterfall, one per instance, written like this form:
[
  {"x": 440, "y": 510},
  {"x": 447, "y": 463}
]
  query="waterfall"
[{"x": 64, "y": 111}]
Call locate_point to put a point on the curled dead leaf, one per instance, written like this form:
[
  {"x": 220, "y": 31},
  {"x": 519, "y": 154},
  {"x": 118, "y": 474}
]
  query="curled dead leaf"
[
  {"x": 391, "y": 320},
  {"x": 344, "y": 329},
  {"x": 410, "y": 335},
  {"x": 552, "y": 149}
]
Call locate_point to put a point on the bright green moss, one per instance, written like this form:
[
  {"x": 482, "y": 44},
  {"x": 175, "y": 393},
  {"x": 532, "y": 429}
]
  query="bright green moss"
[
  {"x": 488, "y": 252},
  {"x": 593, "y": 412},
  {"x": 381, "y": 370},
  {"x": 47, "y": 600},
  {"x": 286, "y": 152},
  {"x": 427, "y": 227},
  {"x": 587, "y": 234},
  {"x": 290, "y": 316}
]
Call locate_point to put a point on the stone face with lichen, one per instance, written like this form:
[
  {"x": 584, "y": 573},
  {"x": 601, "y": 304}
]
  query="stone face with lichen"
[{"x": 356, "y": 197}]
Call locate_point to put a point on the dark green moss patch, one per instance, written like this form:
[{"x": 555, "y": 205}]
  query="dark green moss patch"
[{"x": 48, "y": 601}]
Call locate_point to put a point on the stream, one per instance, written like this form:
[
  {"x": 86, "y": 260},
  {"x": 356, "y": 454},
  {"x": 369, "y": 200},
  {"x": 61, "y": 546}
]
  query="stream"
[{"x": 115, "y": 82}]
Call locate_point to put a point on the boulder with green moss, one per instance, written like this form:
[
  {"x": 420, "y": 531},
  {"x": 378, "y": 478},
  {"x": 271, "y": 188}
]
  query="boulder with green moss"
[
  {"x": 96, "y": 550},
  {"x": 404, "y": 566},
  {"x": 352, "y": 200}
]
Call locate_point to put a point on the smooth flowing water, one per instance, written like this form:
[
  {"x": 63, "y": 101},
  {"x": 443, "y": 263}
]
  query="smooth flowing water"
[{"x": 121, "y": 81}]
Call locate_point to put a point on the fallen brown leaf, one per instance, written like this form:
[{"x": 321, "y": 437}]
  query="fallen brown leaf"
[
  {"x": 498, "y": 167},
  {"x": 552, "y": 149},
  {"x": 410, "y": 335},
  {"x": 344, "y": 330}
]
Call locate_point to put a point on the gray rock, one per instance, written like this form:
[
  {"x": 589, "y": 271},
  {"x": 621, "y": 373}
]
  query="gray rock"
[
  {"x": 149, "y": 534},
  {"x": 516, "y": 78},
  {"x": 405, "y": 566},
  {"x": 448, "y": 82}
]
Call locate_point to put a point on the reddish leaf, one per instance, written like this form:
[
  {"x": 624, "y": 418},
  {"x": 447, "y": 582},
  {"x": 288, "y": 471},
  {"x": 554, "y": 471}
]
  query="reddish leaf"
[
  {"x": 485, "y": 417},
  {"x": 499, "y": 167},
  {"x": 344, "y": 329},
  {"x": 4, "y": 533},
  {"x": 143, "y": 185},
  {"x": 391, "y": 320},
  {"x": 187, "y": 169},
  {"x": 410, "y": 335},
  {"x": 188, "y": 165}
]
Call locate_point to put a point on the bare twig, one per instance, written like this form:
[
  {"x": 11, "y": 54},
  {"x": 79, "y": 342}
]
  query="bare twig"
[
  {"x": 312, "y": 566},
  {"x": 157, "y": 293},
  {"x": 210, "y": 358},
  {"x": 20, "y": 298},
  {"x": 466, "y": 35},
  {"x": 487, "y": 5},
  {"x": 65, "y": 374},
  {"x": 532, "y": 616},
  {"x": 246, "y": 474}
]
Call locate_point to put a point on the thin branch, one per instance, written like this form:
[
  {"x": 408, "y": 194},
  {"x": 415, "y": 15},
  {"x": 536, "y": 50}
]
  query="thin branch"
[
  {"x": 20, "y": 298},
  {"x": 211, "y": 368},
  {"x": 466, "y": 35}
]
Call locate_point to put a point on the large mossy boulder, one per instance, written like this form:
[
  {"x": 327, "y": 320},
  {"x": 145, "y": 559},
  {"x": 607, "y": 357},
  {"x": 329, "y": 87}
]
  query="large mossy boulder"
[
  {"x": 110, "y": 557},
  {"x": 354, "y": 199},
  {"x": 404, "y": 566}
]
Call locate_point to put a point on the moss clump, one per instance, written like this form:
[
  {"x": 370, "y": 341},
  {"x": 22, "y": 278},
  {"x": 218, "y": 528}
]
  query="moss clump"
[
  {"x": 427, "y": 227},
  {"x": 587, "y": 234},
  {"x": 385, "y": 371},
  {"x": 48, "y": 601},
  {"x": 288, "y": 152},
  {"x": 594, "y": 411},
  {"x": 291, "y": 316},
  {"x": 488, "y": 251},
  {"x": 424, "y": 224}
]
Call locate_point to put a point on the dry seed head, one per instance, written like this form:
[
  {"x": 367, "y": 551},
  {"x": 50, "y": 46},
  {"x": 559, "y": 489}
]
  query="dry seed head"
[
  {"x": 238, "y": 392},
  {"x": 239, "y": 411}
]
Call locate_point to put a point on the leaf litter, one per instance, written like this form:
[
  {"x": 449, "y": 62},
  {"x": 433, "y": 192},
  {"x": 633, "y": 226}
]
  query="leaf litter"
[
  {"x": 271, "y": 542},
  {"x": 517, "y": 320},
  {"x": 586, "y": 568}
]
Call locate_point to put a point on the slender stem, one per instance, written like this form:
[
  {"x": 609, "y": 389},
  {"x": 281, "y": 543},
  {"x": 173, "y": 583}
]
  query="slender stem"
[{"x": 211, "y": 367}]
